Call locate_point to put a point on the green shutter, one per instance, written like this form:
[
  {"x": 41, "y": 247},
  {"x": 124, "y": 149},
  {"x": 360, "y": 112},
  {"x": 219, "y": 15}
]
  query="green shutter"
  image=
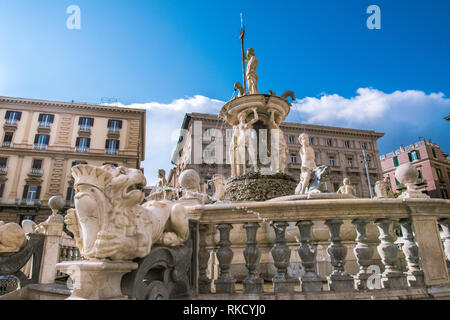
[
  {"x": 395, "y": 161},
  {"x": 410, "y": 157}
]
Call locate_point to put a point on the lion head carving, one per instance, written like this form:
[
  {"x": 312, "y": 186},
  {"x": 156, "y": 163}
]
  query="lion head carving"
[{"x": 108, "y": 220}]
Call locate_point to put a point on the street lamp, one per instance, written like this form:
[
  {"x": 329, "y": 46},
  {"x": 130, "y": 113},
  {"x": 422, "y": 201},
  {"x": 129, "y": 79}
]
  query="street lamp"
[{"x": 367, "y": 173}]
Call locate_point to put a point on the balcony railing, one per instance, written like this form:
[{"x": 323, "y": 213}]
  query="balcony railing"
[
  {"x": 11, "y": 122},
  {"x": 81, "y": 149},
  {"x": 35, "y": 171},
  {"x": 322, "y": 238},
  {"x": 39, "y": 146},
  {"x": 84, "y": 127},
  {"x": 3, "y": 170},
  {"x": 7, "y": 144},
  {"x": 111, "y": 151},
  {"x": 113, "y": 130},
  {"x": 44, "y": 124}
]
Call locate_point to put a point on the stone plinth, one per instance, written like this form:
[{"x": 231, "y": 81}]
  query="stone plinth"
[
  {"x": 259, "y": 187},
  {"x": 96, "y": 280}
]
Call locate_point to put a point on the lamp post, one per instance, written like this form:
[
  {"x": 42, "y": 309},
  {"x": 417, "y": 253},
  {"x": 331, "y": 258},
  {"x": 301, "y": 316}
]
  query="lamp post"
[{"x": 367, "y": 173}]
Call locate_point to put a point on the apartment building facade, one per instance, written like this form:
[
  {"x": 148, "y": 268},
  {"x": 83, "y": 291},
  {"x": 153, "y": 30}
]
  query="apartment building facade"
[
  {"x": 339, "y": 148},
  {"x": 41, "y": 140},
  {"x": 430, "y": 161}
]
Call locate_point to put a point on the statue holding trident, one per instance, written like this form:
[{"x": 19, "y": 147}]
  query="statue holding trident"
[{"x": 252, "y": 63}]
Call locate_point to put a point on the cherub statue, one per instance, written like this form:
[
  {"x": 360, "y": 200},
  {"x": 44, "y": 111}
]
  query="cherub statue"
[
  {"x": 383, "y": 188},
  {"x": 346, "y": 188},
  {"x": 218, "y": 181},
  {"x": 246, "y": 142},
  {"x": 308, "y": 162},
  {"x": 252, "y": 76},
  {"x": 158, "y": 193},
  {"x": 278, "y": 161}
]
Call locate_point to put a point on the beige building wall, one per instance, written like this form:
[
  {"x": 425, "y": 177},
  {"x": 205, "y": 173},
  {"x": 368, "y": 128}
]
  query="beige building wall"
[
  {"x": 54, "y": 178},
  {"x": 346, "y": 144}
]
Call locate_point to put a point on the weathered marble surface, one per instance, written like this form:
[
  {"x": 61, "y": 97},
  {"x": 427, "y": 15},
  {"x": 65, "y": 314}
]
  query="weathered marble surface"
[{"x": 12, "y": 237}]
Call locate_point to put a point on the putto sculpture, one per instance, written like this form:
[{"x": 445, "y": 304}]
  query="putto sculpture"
[
  {"x": 383, "y": 189},
  {"x": 346, "y": 188},
  {"x": 12, "y": 237},
  {"x": 158, "y": 193},
  {"x": 218, "y": 181},
  {"x": 108, "y": 220}
]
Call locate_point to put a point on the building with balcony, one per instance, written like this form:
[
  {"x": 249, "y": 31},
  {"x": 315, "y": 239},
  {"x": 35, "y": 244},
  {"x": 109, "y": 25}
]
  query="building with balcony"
[
  {"x": 41, "y": 140},
  {"x": 338, "y": 148},
  {"x": 431, "y": 162}
]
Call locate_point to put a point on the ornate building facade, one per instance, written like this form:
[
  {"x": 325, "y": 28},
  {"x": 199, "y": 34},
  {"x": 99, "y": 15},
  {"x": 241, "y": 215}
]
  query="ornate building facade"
[
  {"x": 41, "y": 140},
  {"x": 430, "y": 161},
  {"x": 338, "y": 148}
]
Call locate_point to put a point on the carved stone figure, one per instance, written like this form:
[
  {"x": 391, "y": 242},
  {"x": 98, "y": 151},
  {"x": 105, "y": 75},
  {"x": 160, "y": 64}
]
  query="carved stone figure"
[
  {"x": 346, "y": 188},
  {"x": 158, "y": 193},
  {"x": 383, "y": 189},
  {"x": 219, "y": 182},
  {"x": 308, "y": 163},
  {"x": 317, "y": 182},
  {"x": 278, "y": 159},
  {"x": 246, "y": 142},
  {"x": 252, "y": 76},
  {"x": 238, "y": 86},
  {"x": 108, "y": 220},
  {"x": 12, "y": 237}
]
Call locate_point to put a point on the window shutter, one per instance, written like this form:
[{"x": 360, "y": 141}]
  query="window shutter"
[
  {"x": 52, "y": 118},
  {"x": 109, "y": 123},
  {"x": 19, "y": 116},
  {"x": 120, "y": 124},
  {"x": 117, "y": 145},
  {"x": 88, "y": 144},
  {"x": 410, "y": 157},
  {"x": 25, "y": 192},
  {"x": 417, "y": 154},
  {"x": 40, "y": 117},
  {"x": 36, "y": 138},
  {"x": 77, "y": 143},
  {"x": 8, "y": 114},
  {"x": 80, "y": 121},
  {"x": 47, "y": 139},
  {"x": 38, "y": 192},
  {"x": 92, "y": 122},
  {"x": 107, "y": 144},
  {"x": 2, "y": 188}
]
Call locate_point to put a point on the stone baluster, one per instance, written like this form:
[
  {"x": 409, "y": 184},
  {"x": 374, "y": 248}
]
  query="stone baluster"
[
  {"x": 62, "y": 253},
  {"x": 311, "y": 282},
  {"x": 363, "y": 253},
  {"x": 281, "y": 254},
  {"x": 392, "y": 277},
  {"x": 69, "y": 254},
  {"x": 225, "y": 282},
  {"x": 339, "y": 279},
  {"x": 77, "y": 254},
  {"x": 252, "y": 283},
  {"x": 204, "y": 283},
  {"x": 411, "y": 251},
  {"x": 445, "y": 224}
]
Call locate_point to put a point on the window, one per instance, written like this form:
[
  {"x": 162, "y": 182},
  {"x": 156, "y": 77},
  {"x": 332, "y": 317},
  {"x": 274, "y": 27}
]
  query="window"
[
  {"x": 439, "y": 174},
  {"x": 414, "y": 155},
  {"x": 347, "y": 144},
  {"x": 419, "y": 178},
  {"x": 444, "y": 193},
  {"x": 70, "y": 193},
  {"x": 329, "y": 142},
  {"x": 3, "y": 162},
  {"x": 434, "y": 152},
  {"x": 82, "y": 144},
  {"x": 86, "y": 123},
  {"x": 207, "y": 132},
  {"x": 41, "y": 141},
  {"x": 75, "y": 163},
  {"x": 111, "y": 164},
  {"x": 395, "y": 159},
  {"x": 112, "y": 146},
  {"x": 7, "y": 140},
  {"x": 350, "y": 161},
  {"x": 364, "y": 145},
  {"x": 45, "y": 120},
  {"x": 311, "y": 141},
  {"x": 36, "y": 167},
  {"x": 332, "y": 163},
  {"x": 114, "y": 125},
  {"x": 12, "y": 117},
  {"x": 291, "y": 139},
  {"x": 293, "y": 158},
  {"x": 31, "y": 193},
  {"x": 229, "y": 133},
  {"x": 2, "y": 189}
]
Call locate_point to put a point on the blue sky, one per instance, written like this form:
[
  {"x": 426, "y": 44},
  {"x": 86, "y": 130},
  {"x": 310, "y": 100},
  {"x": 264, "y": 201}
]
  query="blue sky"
[{"x": 173, "y": 57}]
